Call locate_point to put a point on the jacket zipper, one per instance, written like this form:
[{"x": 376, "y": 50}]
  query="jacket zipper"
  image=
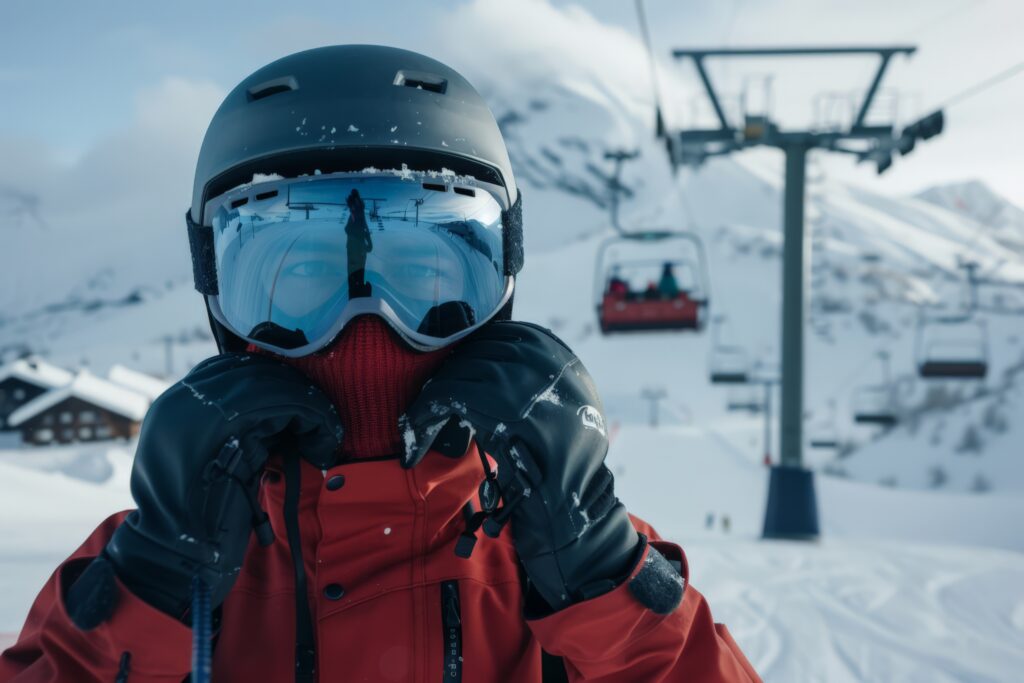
[{"x": 451, "y": 621}]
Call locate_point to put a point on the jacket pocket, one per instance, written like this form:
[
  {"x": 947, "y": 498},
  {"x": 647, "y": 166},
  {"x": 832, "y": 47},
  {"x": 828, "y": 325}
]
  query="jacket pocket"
[{"x": 451, "y": 624}]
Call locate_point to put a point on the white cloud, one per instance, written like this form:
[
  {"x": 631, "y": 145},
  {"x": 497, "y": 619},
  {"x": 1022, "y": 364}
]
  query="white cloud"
[
  {"x": 531, "y": 41},
  {"x": 124, "y": 197}
]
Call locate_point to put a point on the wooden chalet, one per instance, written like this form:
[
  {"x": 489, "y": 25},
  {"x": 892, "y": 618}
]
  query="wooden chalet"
[
  {"x": 24, "y": 380},
  {"x": 89, "y": 408}
]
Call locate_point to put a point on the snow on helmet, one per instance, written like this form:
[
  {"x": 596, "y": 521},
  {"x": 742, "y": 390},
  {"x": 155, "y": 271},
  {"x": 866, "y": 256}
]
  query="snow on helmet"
[{"x": 362, "y": 152}]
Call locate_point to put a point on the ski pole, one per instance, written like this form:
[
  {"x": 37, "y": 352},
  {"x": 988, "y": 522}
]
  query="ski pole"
[{"x": 201, "y": 636}]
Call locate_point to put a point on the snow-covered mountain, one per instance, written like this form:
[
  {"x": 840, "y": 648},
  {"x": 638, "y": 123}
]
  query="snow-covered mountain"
[{"x": 977, "y": 201}]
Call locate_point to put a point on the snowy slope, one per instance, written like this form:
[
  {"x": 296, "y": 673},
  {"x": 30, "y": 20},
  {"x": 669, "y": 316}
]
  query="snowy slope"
[
  {"x": 978, "y": 202},
  {"x": 878, "y": 599},
  {"x": 49, "y": 505}
]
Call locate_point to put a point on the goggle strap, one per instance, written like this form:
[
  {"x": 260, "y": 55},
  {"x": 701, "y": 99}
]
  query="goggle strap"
[
  {"x": 512, "y": 236},
  {"x": 204, "y": 265}
]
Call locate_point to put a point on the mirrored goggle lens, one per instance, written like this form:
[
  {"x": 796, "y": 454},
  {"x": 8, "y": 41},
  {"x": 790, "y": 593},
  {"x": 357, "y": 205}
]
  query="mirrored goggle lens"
[{"x": 295, "y": 258}]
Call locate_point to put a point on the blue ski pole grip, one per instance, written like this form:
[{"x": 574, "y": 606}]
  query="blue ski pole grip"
[{"x": 202, "y": 637}]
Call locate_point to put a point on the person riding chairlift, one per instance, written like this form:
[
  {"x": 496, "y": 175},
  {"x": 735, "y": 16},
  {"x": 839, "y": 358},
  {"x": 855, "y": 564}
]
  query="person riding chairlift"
[
  {"x": 616, "y": 285},
  {"x": 668, "y": 287}
]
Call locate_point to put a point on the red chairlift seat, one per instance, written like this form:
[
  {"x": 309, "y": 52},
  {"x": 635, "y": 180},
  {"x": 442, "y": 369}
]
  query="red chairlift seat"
[
  {"x": 620, "y": 312},
  {"x": 622, "y": 309}
]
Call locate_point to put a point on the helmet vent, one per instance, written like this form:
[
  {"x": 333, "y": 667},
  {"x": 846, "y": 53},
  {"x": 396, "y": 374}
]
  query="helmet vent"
[
  {"x": 266, "y": 195},
  {"x": 468, "y": 191},
  {"x": 421, "y": 80},
  {"x": 272, "y": 87},
  {"x": 435, "y": 187},
  {"x": 239, "y": 202}
]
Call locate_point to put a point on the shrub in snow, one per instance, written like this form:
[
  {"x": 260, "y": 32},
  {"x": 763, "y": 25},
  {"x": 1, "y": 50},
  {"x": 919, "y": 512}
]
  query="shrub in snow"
[
  {"x": 835, "y": 470},
  {"x": 980, "y": 484},
  {"x": 971, "y": 441},
  {"x": 994, "y": 418}
]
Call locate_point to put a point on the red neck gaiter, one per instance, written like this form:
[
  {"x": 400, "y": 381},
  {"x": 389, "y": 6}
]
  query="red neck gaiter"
[{"x": 371, "y": 376}]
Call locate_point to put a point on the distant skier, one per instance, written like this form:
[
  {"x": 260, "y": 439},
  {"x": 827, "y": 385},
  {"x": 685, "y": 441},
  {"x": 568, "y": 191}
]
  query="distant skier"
[{"x": 366, "y": 484}]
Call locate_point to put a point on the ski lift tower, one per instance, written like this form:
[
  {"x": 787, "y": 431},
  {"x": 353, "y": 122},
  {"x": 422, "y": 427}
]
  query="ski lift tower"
[{"x": 792, "y": 507}]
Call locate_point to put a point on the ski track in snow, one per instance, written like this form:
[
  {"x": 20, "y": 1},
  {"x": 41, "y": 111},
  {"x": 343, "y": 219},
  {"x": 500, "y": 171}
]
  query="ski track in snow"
[{"x": 852, "y": 607}]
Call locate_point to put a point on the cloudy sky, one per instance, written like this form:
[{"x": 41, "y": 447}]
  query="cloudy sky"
[{"x": 117, "y": 94}]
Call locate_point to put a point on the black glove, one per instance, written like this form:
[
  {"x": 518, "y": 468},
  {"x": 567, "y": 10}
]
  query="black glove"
[
  {"x": 533, "y": 407},
  {"x": 195, "y": 481}
]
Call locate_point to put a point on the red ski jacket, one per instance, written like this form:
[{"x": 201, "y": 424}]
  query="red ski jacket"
[{"x": 389, "y": 600}]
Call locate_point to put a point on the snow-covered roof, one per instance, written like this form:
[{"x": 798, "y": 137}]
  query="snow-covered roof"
[
  {"x": 37, "y": 372},
  {"x": 91, "y": 389},
  {"x": 139, "y": 382}
]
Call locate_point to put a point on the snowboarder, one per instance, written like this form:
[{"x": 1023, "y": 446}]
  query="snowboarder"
[{"x": 329, "y": 495}]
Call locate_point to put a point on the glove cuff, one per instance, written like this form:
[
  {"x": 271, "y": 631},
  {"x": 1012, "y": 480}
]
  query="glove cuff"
[
  {"x": 91, "y": 597},
  {"x": 658, "y": 585}
]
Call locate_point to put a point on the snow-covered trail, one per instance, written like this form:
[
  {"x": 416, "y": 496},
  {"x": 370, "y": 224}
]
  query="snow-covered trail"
[
  {"x": 44, "y": 517},
  {"x": 841, "y": 610},
  {"x": 850, "y": 607},
  {"x": 675, "y": 476}
]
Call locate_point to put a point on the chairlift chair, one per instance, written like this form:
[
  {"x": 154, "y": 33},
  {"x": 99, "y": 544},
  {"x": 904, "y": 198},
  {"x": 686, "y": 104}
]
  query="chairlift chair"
[
  {"x": 824, "y": 442},
  {"x": 823, "y": 435},
  {"x": 627, "y": 266},
  {"x": 954, "y": 347},
  {"x": 729, "y": 365},
  {"x": 748, "y": 398},
  {"x": 873, "y": 405}
]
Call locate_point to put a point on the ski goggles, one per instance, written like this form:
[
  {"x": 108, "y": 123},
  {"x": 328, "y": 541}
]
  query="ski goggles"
[{"x": 296, "y": 259}]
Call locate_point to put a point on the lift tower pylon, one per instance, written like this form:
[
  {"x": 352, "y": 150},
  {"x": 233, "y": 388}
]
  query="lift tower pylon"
[{"x": 792, "y": 506}]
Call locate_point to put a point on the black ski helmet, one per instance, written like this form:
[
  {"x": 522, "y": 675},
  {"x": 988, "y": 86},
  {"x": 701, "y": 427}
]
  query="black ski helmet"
[{"x": 346, "y": 108}]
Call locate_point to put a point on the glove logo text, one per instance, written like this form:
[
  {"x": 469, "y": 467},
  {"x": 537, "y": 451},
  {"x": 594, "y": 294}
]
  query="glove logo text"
[{"x": 592, "y": 419}]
